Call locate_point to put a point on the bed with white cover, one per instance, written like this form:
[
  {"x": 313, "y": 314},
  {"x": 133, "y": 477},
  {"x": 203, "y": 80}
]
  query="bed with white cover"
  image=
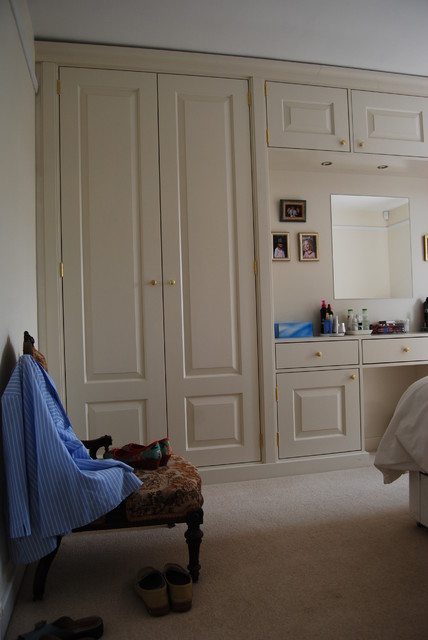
[{"x": 404, "y": 447}]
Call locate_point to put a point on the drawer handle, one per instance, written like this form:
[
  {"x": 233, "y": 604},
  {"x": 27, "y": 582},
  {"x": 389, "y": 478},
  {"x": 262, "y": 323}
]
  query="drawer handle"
[
  {"x": 353, "y": 377},
  {"x": 343, "y": 142},
  {"x": 362, "y": 143},
  {"x": 406, "y": 349},
  {"x": 154, "y": 283},
  {"x": 319, "y": 354}
]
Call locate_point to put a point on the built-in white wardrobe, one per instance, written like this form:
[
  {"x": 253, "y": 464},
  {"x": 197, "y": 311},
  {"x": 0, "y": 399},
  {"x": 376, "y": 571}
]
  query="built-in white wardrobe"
[{"x": 158, "y": 261}]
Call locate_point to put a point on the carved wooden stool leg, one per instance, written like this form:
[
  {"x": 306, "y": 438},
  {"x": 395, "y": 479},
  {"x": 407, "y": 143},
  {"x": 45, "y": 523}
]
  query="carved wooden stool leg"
[
  {"x": 42, "y": 569},
  {"x": 193, "y": 537}
]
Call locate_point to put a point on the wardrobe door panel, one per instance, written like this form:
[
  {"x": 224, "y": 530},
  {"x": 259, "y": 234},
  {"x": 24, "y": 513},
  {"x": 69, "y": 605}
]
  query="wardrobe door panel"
[
  {"x": 111, "y": 253},
  {"x": 208, "y": 251}
]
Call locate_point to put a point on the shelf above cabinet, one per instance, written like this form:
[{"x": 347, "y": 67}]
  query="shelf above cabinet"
[{"x": 362, "y": 163}]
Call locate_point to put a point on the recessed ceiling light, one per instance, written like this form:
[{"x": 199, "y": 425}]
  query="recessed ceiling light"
[
  {"x": 326, "y": 163},
  {"x": 382, "y": 166}
]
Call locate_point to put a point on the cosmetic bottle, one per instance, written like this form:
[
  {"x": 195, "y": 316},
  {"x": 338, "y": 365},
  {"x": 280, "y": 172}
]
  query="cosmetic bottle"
[
  {"x": 327, "y": 323},
  {"x": 366, "y": 323},
  {"x": 349, "y": 319},
  {"x": 323, "y": 312}
]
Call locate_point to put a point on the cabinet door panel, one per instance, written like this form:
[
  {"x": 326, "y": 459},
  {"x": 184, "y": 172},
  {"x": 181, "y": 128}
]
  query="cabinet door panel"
[
  {"x": 318, "y": 412},
  {"x": 111, "y": 249},
  {"x": 306, "y": 117},
  {"x": 208, "y": 250},
  {"x": 390, "y": 124}
]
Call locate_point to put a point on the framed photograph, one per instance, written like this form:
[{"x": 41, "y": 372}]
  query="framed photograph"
[
  {"x": 308, "y": 246},
  {"x": 426, "y": 248},
  {"x": 292, "y": 210},
  {"x": 280, "y": 246}
]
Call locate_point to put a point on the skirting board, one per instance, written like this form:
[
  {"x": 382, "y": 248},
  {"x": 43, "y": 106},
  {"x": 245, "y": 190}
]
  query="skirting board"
[
  {"x": 9, "y": 595},
  {"x": 291, "y": 467}
]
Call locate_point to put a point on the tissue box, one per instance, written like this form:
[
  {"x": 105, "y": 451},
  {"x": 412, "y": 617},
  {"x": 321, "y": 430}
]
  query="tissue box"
[{"x": 293, "y": 330}]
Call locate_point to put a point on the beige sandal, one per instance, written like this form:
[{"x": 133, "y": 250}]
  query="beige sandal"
[
  {"x": 179, "y": 583},
  {"x": 151, "y": 587}
]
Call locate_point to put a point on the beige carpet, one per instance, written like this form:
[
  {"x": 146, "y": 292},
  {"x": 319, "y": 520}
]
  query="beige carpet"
[{"x": 316, "y": 557}]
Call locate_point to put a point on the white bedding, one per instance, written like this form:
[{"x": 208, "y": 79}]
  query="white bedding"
[{"x": 404, "y": 446}]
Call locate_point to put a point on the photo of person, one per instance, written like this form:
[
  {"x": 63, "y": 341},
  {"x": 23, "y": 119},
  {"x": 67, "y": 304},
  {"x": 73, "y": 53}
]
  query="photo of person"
[
  {"x": 292, "y": 210},
  {"x": 308, "y": 246},
  {"x": 280, "y": 246}
]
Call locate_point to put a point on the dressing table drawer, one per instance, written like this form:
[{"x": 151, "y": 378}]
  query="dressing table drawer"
[
  {"x": 317, "y": 353},
  {"x": 410, "y": 349}
]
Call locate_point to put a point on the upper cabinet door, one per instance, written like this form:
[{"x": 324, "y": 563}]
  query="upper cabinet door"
[
  {"x": 306, "y": 117},
  {"x": 390, "y": 124}
]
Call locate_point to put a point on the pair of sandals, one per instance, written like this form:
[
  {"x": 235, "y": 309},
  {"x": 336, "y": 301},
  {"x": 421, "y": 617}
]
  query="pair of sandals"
[
  {"x": 161, "y": 592},
  {"x": 66, "y": 628}
]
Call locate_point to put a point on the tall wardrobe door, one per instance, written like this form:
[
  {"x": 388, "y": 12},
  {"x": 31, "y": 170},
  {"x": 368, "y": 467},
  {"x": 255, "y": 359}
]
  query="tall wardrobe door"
[
  {"x": 114, "y": 349},
  {"x": 208, "y": 261}
]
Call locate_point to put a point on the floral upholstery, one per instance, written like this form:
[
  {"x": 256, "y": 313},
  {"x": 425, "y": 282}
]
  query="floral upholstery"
[{"x": 172, "y": 490}]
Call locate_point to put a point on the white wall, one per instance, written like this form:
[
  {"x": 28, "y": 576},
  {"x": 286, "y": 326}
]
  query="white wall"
[{"x": 17, "y": 232}]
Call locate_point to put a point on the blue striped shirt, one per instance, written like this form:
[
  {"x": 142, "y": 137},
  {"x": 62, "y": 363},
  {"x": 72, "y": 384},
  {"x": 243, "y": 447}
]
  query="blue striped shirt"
[{"x": 53, "y": 485}]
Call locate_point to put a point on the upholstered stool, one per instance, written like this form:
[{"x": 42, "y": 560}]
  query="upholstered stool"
[{"x": 169, "y": 495}]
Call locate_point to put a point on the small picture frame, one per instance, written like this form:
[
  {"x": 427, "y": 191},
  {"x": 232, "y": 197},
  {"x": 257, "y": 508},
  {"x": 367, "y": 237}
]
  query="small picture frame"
[
  {"x": 426, "y": 248},
  {"x": 308, "y": 247},
  {"x": 292, "y": 210},
  {"x": 280, "y": 246}
]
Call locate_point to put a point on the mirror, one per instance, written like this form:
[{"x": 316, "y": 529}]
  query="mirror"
[{"x": 371, "y": 247}]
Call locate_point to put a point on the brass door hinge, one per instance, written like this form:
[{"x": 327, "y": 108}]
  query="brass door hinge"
[
  {"x": 267, "y": 136},
  {"x": 255, "y": 267},
  {"x": 277, "y": 439},
  {"x": 61, "y": 269},
  {"x": 266, "y": 89},
  {"x": 58, "y": 87},
  {"x": 249, "y": 98},
  {"x": 261, "y": 441},
  {"x": 276, "y": 394}
]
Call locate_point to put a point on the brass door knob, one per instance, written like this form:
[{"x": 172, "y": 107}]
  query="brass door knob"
[
  {"x": 154, "y": 283},
  {"x": 171, "y": 282},
  {"x": 362, "y": 143},
  {"x": 406, "y": 349},
  {"x": 319, "y": 354},
  {"x": 343, "y": 142},
  {"x": 353, "y": 377}
]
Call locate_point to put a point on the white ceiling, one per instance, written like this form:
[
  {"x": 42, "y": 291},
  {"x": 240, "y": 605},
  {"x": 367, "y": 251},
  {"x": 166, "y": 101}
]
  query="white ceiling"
[{"x": 385, "y": 35}]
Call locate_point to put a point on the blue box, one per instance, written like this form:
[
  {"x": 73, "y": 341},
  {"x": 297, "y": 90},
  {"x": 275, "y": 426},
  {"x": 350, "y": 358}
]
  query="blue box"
[{"x": 293, "y": 330}]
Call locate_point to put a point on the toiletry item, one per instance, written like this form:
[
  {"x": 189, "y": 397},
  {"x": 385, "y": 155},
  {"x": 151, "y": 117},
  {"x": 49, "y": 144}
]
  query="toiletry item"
[
  {"x": 327, "y": 323},
  {"x": 323, "y": 312},
  {"x": 366, "y": 323},
  {"x": 349, "y": 319},
  {"x": 329, "y": 310},
  {"x": 354, "y": 323},
  {"x": 335, "y": 324},
  {"x": 342, "y": 328},
  {"x": 426, "y": 314}
]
